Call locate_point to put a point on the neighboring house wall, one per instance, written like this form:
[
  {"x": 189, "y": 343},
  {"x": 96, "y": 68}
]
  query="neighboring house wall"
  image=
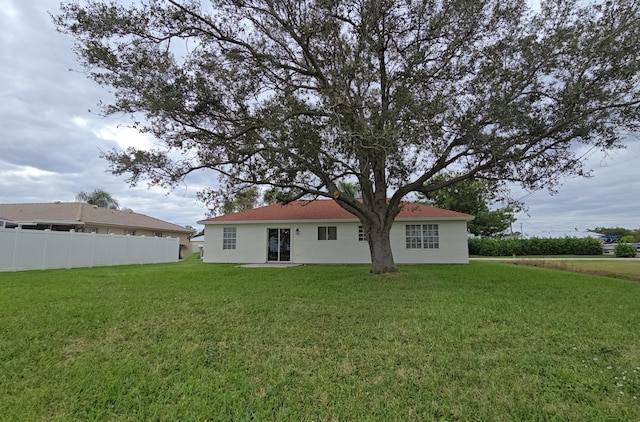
[
  {"x": 251, "y": 243},
  {"x": 137, "y": 231},
  {"x": 22, "y": 249},
  {"x": 197, "y": 244}
]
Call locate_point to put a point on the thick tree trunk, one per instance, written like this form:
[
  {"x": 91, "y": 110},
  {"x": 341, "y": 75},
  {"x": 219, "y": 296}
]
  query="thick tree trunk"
[
  {"x": 381, "y": 253},
  {"x": 376, "y": 214}
]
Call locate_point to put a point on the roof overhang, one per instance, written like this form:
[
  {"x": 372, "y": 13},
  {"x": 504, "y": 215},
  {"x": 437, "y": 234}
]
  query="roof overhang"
[
  {"x": 325, "y": 221},
  {"x": 54, "y": 222}
]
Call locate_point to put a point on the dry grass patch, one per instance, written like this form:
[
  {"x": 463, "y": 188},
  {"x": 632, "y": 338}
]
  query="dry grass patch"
[{"x": 626, "y": 269}]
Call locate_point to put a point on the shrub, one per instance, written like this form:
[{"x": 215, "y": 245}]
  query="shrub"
[
  {"x": 484, "y": 247},
  {"x": 534, "y": 246},
  {"x": 586, "y": 246},
  {"x": 625, "y": 250},
  {"x": 474, "y": 246}
]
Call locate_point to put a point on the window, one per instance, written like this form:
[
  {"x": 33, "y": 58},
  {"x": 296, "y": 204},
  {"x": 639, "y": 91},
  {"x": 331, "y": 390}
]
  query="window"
[
  {"x": 362, "y": 236},
  {"x": 130, "y": 232},
  {"x": 157, "y": 234},
  {"x": 229, "y": 238},
  {"x": 91, "y": 230},
  {"x": 327, "y": 233},
  {"x": 422, "y": 236}
]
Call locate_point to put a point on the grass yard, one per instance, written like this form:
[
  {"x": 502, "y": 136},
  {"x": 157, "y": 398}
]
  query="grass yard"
[
  {"x": 628, "y": 269},
  {"x": 189, "y": 341}
]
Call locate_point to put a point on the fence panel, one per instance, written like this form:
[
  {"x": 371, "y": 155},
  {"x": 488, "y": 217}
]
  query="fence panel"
[
  {"x": 7, "y": 248},
  {"x": 34, "y": 249}
]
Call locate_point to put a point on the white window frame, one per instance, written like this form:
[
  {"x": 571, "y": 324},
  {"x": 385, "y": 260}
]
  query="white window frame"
[
  {"x": 422, "y": 236},
  {"x": 229, "y": 238}
]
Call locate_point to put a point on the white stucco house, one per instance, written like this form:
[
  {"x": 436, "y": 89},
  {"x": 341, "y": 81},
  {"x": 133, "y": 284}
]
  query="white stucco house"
[{"x": 321, "y": 232}]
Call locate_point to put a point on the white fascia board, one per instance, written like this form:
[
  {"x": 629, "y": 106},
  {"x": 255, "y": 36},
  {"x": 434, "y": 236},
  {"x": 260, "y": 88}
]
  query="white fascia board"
[
  {"x": 280, "y": 222},
  {"x": 62, "y": 222},
  {"x": 326, "y": 221}
]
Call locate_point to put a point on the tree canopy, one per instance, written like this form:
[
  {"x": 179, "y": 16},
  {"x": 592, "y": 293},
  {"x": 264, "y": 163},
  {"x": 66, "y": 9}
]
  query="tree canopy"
[
  {"x": 300, "y": 95},
  {"x": 244, "y": 199},
  {"x": 99, "y": 198},
  {"x": 473, "y": 197}
]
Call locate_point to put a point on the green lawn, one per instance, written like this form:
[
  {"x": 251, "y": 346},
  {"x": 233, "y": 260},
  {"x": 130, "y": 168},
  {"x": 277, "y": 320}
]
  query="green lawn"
[{"x": 190, "y": 341}]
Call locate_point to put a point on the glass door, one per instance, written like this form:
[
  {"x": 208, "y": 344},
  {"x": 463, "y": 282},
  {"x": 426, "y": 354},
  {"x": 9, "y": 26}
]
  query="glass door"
[{"x": 279, "y": 245}]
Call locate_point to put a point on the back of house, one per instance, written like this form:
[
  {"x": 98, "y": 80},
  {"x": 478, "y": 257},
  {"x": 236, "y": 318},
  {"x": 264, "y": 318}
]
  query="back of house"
[{"x": 322, "y": 232}]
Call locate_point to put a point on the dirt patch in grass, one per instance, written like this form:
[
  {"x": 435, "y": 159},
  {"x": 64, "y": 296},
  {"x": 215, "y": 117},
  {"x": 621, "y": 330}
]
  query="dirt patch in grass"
[{"x": 626, "y": 270}]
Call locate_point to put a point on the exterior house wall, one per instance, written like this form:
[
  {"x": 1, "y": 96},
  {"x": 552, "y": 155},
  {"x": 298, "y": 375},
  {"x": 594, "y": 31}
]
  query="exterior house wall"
[
  {"x": 307, "y": 249},
  {"x": 109, "y": 229},
  {"x": 251, "y": 243},
  {"x": 453, "y": 248}
]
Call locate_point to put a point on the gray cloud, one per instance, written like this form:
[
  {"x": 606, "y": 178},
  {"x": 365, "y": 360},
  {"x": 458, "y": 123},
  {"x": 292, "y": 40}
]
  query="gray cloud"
[
  {"x": 611, "y": 197},
  {"x": 50, "y": 142}
]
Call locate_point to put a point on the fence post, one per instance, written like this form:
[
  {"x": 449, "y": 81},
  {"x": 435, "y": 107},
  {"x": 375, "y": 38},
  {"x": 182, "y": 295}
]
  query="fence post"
[
  {"x": 72, "y": 234},
  {"x": 111, "y": 250},
  {"x": 93, "y": 249}
]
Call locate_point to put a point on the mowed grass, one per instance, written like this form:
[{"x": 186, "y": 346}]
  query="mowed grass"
[{"x": 191, "y": 341}]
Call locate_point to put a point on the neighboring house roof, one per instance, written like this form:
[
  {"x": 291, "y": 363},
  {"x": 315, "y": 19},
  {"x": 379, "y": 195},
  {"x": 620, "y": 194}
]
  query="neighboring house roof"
[
  {"x": 323, "y": 210},
  {"x": 79, "y": 213}
]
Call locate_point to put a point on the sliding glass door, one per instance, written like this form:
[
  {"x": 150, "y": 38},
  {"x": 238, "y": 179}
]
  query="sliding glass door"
[{"x": 279, "y": 246}]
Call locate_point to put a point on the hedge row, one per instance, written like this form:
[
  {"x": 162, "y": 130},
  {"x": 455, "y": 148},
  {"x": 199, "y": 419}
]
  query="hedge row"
[{"x": 535, "y": 246}]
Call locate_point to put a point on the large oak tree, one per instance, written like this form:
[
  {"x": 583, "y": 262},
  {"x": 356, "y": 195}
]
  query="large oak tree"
[{"x": 300, "y": 95}]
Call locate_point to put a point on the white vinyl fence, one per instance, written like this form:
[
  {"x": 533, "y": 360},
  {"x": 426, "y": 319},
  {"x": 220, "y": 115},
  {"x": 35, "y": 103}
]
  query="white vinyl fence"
[{"x": 22, "y": 249}]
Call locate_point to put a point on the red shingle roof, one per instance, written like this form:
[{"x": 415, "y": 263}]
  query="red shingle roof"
[{"x": 328, "y": 210}]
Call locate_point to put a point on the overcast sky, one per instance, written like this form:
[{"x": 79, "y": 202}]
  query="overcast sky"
[{"x": 50, "y": 142}]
